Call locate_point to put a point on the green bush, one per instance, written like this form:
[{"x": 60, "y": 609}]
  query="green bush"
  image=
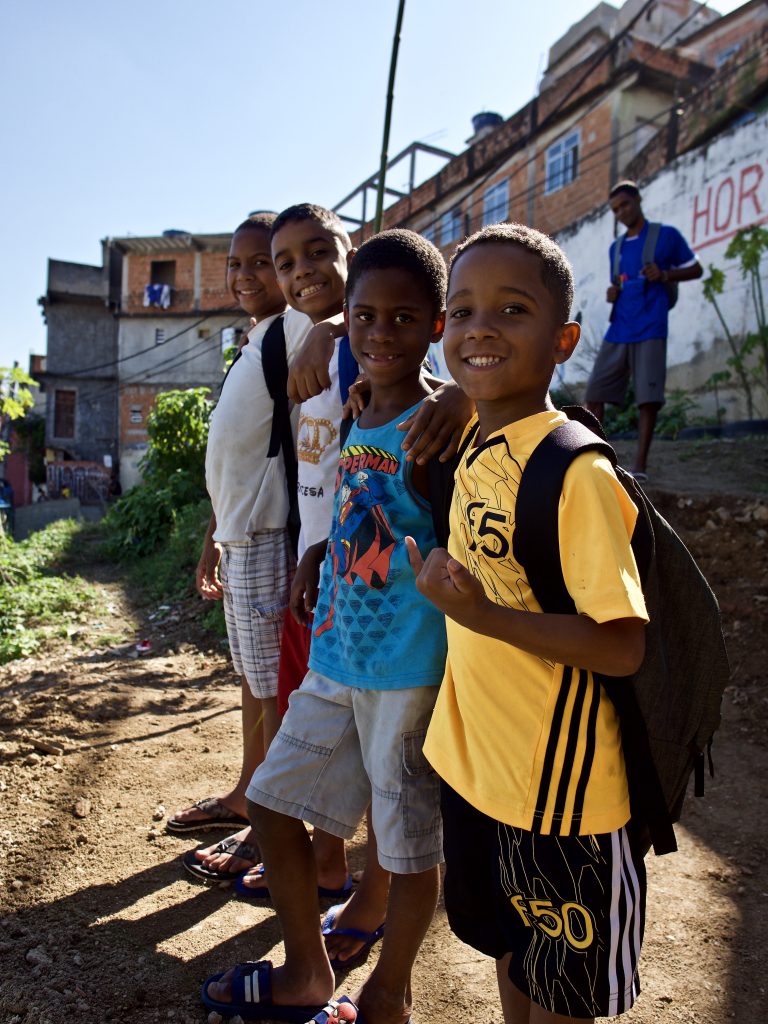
[
  {"x": 144, "y": 517},
  {"x": 178, "y": 433}
]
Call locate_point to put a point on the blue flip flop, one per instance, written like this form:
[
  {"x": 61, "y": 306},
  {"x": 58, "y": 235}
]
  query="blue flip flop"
[
  {"x": 262, "y": 893},
  {"x": 252, "y": 996},
  {"x": 368, "y": 939}
]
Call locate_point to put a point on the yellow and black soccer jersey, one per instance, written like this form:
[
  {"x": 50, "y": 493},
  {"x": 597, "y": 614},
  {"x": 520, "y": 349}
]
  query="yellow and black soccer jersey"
[{"x": 528, "y": 742}]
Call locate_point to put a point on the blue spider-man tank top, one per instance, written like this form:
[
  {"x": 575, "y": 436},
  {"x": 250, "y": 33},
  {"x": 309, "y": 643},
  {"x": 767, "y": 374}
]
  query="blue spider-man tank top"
[{"x": 372, "y": 628}]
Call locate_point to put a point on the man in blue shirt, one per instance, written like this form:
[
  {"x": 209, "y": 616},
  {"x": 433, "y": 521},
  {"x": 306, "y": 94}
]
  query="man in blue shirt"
[{"x": 635, "y": 343}]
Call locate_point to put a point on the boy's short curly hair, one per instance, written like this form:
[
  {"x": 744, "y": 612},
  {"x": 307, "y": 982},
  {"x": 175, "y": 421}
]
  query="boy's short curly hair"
[
  {"x": 327, "y": 219},
  {"x": 556, "y": 272},
  {"x": 401, "y": 249},
  {"x": 259, "y": 220}
]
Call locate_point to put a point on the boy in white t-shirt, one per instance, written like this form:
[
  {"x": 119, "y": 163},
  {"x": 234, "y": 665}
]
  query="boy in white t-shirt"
[{"x": 246, "y": 563}]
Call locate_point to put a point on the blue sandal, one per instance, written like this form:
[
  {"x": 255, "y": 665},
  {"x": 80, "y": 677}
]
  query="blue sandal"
[
  {"x": 368, "y": 939},
  {"x": 252, "y": 996},
  {"x": 262, "y": 893}
]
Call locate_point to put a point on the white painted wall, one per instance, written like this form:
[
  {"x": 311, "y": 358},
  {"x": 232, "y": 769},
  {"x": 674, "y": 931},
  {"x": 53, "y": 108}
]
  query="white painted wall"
[{"x": 708, "y": 195}]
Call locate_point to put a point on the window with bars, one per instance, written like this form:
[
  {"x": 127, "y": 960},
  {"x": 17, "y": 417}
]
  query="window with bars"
[
  {"x": 562, "y": 163},
  {"x": 65, "y": 401},
  {"x": 496, "y": 203}
]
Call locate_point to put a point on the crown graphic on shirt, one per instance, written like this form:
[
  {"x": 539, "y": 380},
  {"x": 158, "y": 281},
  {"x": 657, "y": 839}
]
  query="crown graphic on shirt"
[{"x": 314, "y": 437}]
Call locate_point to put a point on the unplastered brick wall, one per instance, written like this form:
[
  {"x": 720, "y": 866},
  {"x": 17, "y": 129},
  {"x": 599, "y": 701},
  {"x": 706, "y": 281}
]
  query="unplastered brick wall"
[
  {"x": 140, "y": 274},
  {"x": 554, "y": 211},
  {"x": 213, "y": 281}
]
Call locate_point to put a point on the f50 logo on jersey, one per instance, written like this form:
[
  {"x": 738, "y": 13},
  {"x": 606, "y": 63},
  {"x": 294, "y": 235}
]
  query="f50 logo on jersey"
[
  {"x": 570, "y": 920},
  {"x": 486, "y": 526}
]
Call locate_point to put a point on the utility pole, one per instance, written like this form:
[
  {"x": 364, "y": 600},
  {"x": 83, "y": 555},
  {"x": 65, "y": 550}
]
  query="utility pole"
[{"x": 388, "y": 118}]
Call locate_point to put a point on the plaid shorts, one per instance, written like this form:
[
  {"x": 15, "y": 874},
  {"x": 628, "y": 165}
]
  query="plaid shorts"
[{"x": 256, "y": 577}]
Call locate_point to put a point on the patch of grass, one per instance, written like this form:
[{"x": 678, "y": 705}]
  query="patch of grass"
[{"x": 34, "y": 594}]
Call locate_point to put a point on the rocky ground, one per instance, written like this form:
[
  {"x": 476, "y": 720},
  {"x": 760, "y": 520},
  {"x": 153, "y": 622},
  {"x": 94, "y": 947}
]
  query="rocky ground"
[{"x": 98, "y": 744}]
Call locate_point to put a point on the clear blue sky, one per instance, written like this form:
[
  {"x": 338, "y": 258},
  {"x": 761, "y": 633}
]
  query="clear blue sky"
[{"x": 129, "y": 118}]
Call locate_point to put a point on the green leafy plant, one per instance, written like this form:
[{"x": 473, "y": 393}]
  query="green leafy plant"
[
  {"x": 143, "y": 519},
  {"x": 15, "y": 398},
  {"x": 749, "y": 351},
  {"x": 178, "y": 433}
]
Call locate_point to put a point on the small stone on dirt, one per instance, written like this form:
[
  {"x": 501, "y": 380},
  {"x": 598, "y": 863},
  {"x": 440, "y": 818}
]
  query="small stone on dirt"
[
  {"x": 37, "y": 955},
  {"x": 82, "y": 807},
  {"x": 159, "y": 813}
]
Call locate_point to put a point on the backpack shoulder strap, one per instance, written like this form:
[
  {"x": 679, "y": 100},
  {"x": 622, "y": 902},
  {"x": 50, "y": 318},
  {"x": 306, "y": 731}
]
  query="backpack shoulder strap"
[
  {"x": 536, "y": 537},
  {"x": 274, "y": 361},
  {"x": 616, "y": 264},
  {"x": 348, "y": 368},
  {"x": 650, "y": 243},
  {"x": 344, "y": 428},
  {"x": 229, "y": 369}
]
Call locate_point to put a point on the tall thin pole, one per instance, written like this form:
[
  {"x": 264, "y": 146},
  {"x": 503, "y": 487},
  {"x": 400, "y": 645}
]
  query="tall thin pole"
[{"x": 388, "y": 118}]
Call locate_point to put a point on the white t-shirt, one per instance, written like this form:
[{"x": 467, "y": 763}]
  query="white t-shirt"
[
  {"x": 238, "y": 440},
  {"x": 317, "y": 450}
]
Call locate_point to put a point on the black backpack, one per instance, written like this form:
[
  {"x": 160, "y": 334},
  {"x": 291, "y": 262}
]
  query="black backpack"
[
  {"x": 670, "y": 708},
  {"x": 274, "y": 360}
]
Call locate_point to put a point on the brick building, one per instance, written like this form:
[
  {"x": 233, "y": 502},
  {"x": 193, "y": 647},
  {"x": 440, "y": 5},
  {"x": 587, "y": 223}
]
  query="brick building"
[
  {"x": 625, "y": 91},
  {"x": 175, "y": 317},
  {"x": 154, "y": 316}
]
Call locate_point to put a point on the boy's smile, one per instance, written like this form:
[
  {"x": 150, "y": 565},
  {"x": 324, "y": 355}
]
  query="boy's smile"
[
  {"x": 391, "y": 323},
  {"x": 251, "y": 277},
  {"x": 311, "y": 268},
  {"x": 502, "y": 337}
]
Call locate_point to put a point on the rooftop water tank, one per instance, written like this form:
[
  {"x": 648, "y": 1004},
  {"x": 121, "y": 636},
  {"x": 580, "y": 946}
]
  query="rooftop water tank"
[{"x": 484, "y": 120}]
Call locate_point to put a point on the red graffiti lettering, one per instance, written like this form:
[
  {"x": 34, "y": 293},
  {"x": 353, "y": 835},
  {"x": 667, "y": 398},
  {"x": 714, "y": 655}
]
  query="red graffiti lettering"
[
  {"x": 756, "y": 171},
  {"x": 697, "y": 214},
  {"x": 722, "y": 222}
]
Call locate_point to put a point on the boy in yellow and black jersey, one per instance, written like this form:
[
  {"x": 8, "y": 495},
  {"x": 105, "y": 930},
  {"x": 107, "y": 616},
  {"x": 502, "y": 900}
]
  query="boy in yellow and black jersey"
[{"x": 541, "y": 873}]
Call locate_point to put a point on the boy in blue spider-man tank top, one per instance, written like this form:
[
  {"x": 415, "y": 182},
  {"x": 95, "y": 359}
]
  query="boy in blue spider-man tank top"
[{"x": 354, "y": 730}]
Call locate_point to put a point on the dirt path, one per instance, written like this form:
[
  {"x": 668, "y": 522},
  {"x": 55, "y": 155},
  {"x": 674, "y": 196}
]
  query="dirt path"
[{"x": 100, "y": 923}]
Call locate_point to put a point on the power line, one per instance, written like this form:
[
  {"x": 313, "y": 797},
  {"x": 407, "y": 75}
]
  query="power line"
[
  {"x": 139, "y": 352},
  {"x": 143, "y": 376}
]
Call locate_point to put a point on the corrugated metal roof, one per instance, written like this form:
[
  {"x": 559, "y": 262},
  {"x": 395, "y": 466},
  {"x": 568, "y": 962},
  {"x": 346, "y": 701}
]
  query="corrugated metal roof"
[{"x": 157, "y": 244}]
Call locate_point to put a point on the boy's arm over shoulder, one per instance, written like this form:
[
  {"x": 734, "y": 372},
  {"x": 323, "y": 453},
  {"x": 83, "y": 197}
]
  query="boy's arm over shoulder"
[
  {"x": 309, "y": 361},
  {"x": 437, "y": 425},
  {"x": 596, "y": 519}
]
